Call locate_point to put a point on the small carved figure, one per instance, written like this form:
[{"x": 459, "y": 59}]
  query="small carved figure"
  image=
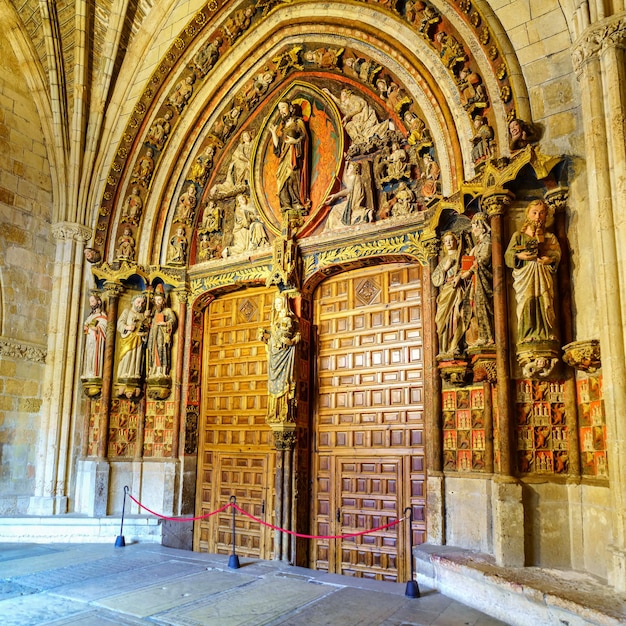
[
  {"x": 281, "y": 341},
  {"x": 237, "y": 23},
  {"x": 451, "y": 316},
  {"x": 365, "y": 70},
  {"x": 355, "y": 206},
  {"x": 419, "y": 135},
  {"x": 359, "y": 118},
  {"x": 480, "y": 331},
  {"x": 162, "y": 327},
  {"x": 212, "y": 218},
  {"x": 248, "y": 230},
  {"x": 238, "y": 169},
  {"x": 398, "y": 166},
  {"x": 405, "y": 202},
  {"x": 131, "y": 210},
  {"x": 521, "y": 134},
  {"x": 397, "y": 98},
  {"x": 207, "y": 247},
  {"x": 324, "y": 58},
  {"x": 143, "y": 169},
  {"x": 186, "y": 205},
  {"x": 482, "y": 141},
  {"x": 206, "y": 57},
  {"x": 126, "y": 245},
  {"x": 202, "y": 166},
  {"x": 430, "y": 176},
  {"x": 95, "y": 329},
  {"x": 224, "y": 129},
  {"x": 182, "y": 93},
  {"x": 473, "y": 93},
  {"x": 534, "y": 254},
  {"x": 450, "y": 51},
  {"x": 291, "y": 145},
  {"x": 160, "y": 130},
  {"x": 257, "y": 89},
  {"x": 422, "y": 15},
  {"x": 133, "y": 330},
  {"x": 178, "y": 247}
]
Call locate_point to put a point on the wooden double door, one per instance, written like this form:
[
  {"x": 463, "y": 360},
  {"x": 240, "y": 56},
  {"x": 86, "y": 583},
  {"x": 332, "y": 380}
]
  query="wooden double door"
[
  {"x": 366, "y": 461},
  {"x": 368, "y": 425}
]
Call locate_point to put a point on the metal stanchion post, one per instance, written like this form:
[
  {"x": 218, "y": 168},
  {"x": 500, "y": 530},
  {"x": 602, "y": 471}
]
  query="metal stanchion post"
[
  {"x": 233, "y": 561},
  {"x": 412, "y": 588},
  {"x": 120, "y": 542}
]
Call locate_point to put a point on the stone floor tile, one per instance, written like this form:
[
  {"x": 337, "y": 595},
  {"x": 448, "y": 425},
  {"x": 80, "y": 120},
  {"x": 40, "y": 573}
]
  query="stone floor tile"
[{"x": 177, "y": 593}]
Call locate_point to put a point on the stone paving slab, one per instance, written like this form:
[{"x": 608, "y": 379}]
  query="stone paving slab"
[
  {"x": 159, "y": 598},
  {"x": 262, "y": 602},
  {"x": 135, "y": 578},
  {"x": 37, "y": 609}
]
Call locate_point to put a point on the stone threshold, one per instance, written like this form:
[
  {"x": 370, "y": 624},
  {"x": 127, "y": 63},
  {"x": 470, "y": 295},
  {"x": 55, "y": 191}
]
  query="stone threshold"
[
  {"x": 78, "y": 529},
  {"x": 519, "y": 596}
]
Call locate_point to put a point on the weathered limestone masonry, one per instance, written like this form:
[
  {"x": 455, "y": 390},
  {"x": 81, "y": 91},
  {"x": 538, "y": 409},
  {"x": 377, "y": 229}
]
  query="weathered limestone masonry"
[{"x": 26, "y": 253}]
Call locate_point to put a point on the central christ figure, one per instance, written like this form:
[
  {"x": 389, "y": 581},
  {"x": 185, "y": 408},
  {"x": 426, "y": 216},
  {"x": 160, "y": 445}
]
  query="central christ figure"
[{"x": 291, "y": 146}]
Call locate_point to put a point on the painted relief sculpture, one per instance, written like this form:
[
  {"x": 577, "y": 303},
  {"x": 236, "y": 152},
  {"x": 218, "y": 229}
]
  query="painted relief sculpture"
[
  {"x": 534, "y": 254},
  {"x": 480, "y": 330},
  {"x": 248, "y": 231},
  {"x": 132, "y": 326},
  {"x": 452, "y": 317},
  {"x": 291, "y": 146},
  {"x": 95, "y": 329},
  {"x": 159, "y": 348},
  {"x": 281, "y": 341}
]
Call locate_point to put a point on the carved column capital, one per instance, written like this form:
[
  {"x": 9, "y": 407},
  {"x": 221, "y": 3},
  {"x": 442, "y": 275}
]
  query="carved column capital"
[
  {"x": 609, "y": 33},
  {"x": 112, "y": 289},
  {"x": 583, "y": 355},
  {"x": 284, "y": 438},
  {"x": 557, "y": 199},
  {"x": 496, "y": 202},
  {"x": 64, "y": 231}
]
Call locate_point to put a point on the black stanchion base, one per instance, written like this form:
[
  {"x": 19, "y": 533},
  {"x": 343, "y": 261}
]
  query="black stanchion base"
[
  {"x": 119, "y": 542},
  {"x": 412, "y": 590},
  {"x": 233, "y": 562}
]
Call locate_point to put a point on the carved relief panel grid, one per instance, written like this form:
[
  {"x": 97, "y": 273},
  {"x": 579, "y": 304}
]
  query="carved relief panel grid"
[
  {"x": 369, "y": 448},
  {"x": 235, "y": 454},
  {"x": 592, "y": 423},
  {"x": 542, "y": 434},
  {"x": 464, "y": 434}
]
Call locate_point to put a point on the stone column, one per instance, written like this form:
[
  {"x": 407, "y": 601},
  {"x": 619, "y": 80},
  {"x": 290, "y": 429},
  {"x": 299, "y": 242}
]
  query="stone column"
[
  {"x": 180, "y": 409},
  {"x": 508, "y": 508},
  {"x": 557, "y": 200},
  {"x": 62, "y": 382},
  {"x": 435, "y": 480},
  {"x": 598, "y": 57},
  {"x": 284, "y": 441}
]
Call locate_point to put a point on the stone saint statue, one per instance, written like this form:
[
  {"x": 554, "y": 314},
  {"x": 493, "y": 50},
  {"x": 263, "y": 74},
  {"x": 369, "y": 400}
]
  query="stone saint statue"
[
  {"x": 132, "y": 327},
  {"x": 452, "y": 317},
  {"x": 534, "y": 255},
  {"x": 480, "y": 331},
  {"x": 95, "y": 328},
  {"x": 291, "y": 145},
  {"x": 281, "y": 340},
  {"x": 162, "y": 328}
]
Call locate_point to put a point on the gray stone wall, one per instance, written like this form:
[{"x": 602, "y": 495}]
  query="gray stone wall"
[{"x": 26, "y": 257}]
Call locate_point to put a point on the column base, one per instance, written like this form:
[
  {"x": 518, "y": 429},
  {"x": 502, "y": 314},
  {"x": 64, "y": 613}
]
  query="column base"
[{"x": 508, "y": 524}]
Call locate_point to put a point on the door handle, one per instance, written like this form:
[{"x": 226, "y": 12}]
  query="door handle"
[
  {"x": 263, "y": 507},
  {"x": 339, "y": 515}
]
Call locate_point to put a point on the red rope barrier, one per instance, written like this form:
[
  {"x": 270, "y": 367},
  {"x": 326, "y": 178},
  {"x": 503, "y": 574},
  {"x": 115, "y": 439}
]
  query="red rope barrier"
[
  {"x": 178, "y": 519},
  {"x": 260, "y": 521}
]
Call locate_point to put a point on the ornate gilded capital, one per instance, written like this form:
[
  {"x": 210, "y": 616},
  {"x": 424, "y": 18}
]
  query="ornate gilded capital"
[
  {"x": 609, "y": 33},
  {"x": 284, "y": 439},
  {"x": 496, "y": 203},
  {"x": 112, "y": 290},
  {"x": 455, "y": 372},
  {"x": 583, "y": 355},
  {"x": 65, "y": 231},
  {"x": 557, "y": 199}
]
